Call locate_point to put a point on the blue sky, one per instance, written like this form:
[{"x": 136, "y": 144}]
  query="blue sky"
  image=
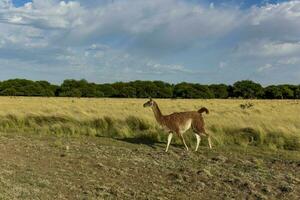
[
  {"x": 242, "y": 3},
  {"x": 171, "y": 40},
  {"x": 20, "y": 2}
]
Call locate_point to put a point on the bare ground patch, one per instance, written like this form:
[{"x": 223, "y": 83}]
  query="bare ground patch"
[{"x": 49, "y": 167}]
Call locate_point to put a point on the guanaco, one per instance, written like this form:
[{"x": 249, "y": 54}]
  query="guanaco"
[{"x": 180, "y": 122}]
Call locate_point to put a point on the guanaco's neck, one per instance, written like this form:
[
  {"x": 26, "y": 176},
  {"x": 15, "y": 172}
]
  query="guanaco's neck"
[{"x": 157, "y": 113}]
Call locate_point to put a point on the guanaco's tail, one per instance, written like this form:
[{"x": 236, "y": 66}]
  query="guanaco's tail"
[{"x": 203, "y": 109}]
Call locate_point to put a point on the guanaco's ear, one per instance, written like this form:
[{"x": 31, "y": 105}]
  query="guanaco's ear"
[{"x": 150, "y": 98}]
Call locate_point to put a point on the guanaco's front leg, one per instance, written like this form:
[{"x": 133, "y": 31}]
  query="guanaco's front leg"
[
  {"x": 182, "y": 139},
  {"x": 169, "y": 141}
]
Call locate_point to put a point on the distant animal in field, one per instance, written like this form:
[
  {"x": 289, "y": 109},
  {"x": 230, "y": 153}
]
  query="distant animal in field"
[
  {"x": 246, "y": 105},
  {"x": 180, "y": 122}
]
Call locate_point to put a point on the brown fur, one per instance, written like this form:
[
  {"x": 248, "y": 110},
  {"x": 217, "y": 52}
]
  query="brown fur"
[
  {"x": 180, "y": 122},
  {"x": 175, "y": 122},
  {"x": 203, "y": 110}
]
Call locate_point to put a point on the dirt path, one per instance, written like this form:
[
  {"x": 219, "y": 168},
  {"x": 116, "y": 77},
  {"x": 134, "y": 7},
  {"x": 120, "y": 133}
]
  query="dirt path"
[{"x": 47, "y": 167}]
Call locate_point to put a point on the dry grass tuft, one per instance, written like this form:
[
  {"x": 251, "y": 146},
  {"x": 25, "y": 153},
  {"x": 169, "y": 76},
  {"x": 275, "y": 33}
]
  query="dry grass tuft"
[{"x": 269, "y": 123}]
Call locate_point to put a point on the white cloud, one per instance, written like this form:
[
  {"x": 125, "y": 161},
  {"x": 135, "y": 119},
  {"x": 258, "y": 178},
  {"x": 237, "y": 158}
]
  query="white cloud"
[
  {"x": 289, "y": 60},
  {"x": 267, "y": 48},
  {"x": 164, "y": 24},
  {"x": 5, "y": 4},
  {"x": 265, "y": 67},
  {"x": 44, "y": 15},
  {"x": 281, "y": 48},
  {"x": 132, "y": 37},
  {"x": 222, "y": 64},
  {"x": 269, "y": 32},
  {"x": 102, "y": 37},
  {"x": 284, "y": 11},
  {"x": 276, "y": 21},
  {"x": 158, "y": 68}
]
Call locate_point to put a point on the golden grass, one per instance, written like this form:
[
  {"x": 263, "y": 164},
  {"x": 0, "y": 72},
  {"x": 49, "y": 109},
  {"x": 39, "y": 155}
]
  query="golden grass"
[{"x": 273, "y": 123}]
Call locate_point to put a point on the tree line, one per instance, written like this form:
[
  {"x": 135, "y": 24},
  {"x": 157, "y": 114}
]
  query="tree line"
[{"x": 246, "y": 89}]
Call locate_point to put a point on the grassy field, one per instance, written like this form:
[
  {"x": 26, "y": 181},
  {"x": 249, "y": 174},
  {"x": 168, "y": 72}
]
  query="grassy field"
[
  {"x": 69, "y": 148},
  {"x": 269, "y": 124}
]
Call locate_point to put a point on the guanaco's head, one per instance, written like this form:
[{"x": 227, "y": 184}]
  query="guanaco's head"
[{"x": 149, "y": 103}]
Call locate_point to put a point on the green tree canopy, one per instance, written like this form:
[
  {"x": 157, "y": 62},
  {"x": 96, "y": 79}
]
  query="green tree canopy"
[
  {"x": 247, "y": 89},
  {"x": 273, "y": 92},
  {"x": 220, "y": 91},
  {"x": 145, "y": 89}
]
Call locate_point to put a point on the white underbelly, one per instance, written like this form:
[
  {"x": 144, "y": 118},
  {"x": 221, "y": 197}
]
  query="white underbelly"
[
  {"x": 167, "y": 129},
  {"x": 185, "y": 126}
]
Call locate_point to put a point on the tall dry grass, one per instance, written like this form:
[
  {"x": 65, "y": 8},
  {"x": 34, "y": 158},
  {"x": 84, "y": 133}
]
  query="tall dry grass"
[{"x": 268, "y": 123}]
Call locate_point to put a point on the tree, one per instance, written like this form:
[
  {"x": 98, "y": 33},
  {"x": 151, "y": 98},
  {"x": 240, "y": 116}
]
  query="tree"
[
  {"x": 203, "y": 92},
  {"x": 297, "y": 92},
  {"x": 273, "y": 92},
  {"x": 107, "y": 90},
  {"x": 90, "y": 90},
  {"x": 165, "y": 90},
  {"x": 184, "y": 90},
  {"x": 145, "y": 89},
  {"x": 127, "y": 92},
  {"x": 74, "y": 92},
  {"x": 188, "y": 90},
  {"x": 23, "y": 87},
  {"x": 74, "y": 88},
  {"x": 47, "y": 89},
  {"x": 9, "y": 92},
  {"x": 220, "y": 91},
  {"x": 287, "y": 92},
  {"x": 247, "y": 89}
]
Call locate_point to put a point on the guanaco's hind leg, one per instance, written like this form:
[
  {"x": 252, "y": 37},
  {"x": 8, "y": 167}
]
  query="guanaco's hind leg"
[
  {"x": 199, "y": 129},
  {"x": 169, "y": 141},
  {"x": 198, "y": 141},
  {"x": 209, "y": 141}
]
